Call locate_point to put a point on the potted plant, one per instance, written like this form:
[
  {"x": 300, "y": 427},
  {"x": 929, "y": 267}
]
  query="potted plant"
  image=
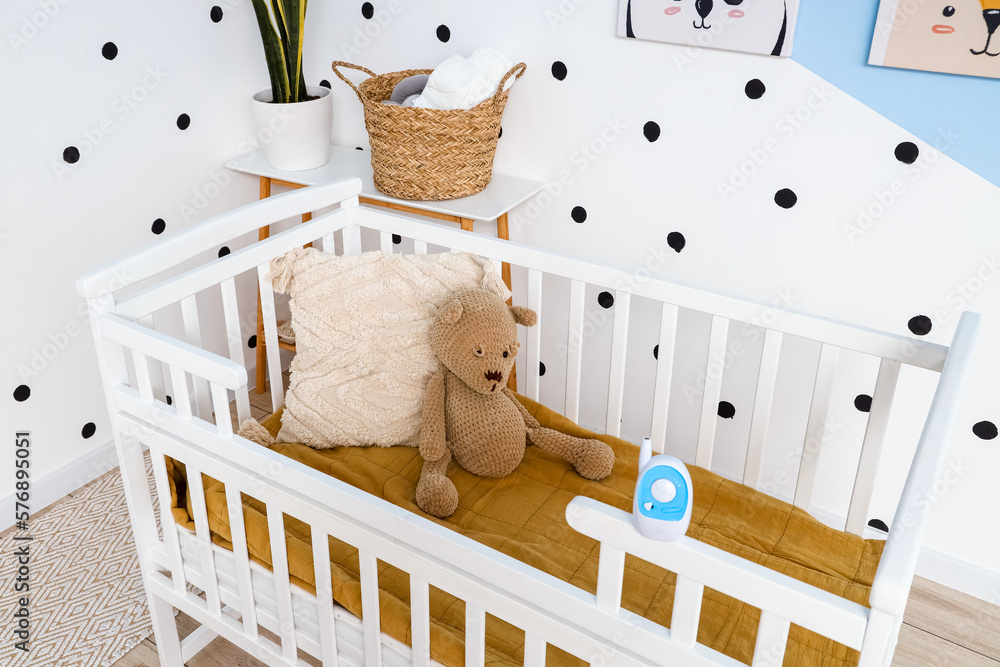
[{"x": 294, "y": 120}]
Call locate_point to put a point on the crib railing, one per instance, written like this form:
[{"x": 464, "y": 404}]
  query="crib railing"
[{"x": 552, "y": 612}]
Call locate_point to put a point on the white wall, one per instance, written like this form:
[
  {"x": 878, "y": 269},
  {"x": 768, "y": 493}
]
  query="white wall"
[{"x": 938, "y": 232}]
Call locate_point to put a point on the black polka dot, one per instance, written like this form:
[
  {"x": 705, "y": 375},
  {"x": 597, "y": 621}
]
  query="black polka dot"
[
  {"x": 358, "y": 148},
  {"x": 367, "y": 10},
  {"x": 22, "y": 393},
  {"x": 541, "y": 369},
  {"x": 183, "y": 121},
  {"x": 501, "y": 132},
  {"x": 170, "y": 400},
  {"x": 920, "y": 325},
  {"x": 755, "y": 89},
  {"x": 559, "y": 70},
  {"x": 651, "y": 130},
  {"x": 224, "y": 250},
  {"x": 863, "y": 402},
  {"x": 89, "y": 429},
  {"x": 252, "y": 341},
  {"x": 443, "y": 33},
  {"x": 216, "y": 14},
  {"x": 676, "y": 241},
  {"x": 726, "y": 410},
  {"x": 109, "y": 51},
  {"x": 325, "y": 83},
  {"x": 656, "y": 351},
  {"x": 879, "y": 524},
  {"x": 579, "y": 214},
  {"x": 985, "y": 430},
  {"x": 158, "y": 226},
  {"x": 606, "y": 299},
  {"x": 397, "y": 239},
  {"x": 785, "y": 198},
  {"x": 71, "y": 154},
  {"x": 907, "y": 152}
]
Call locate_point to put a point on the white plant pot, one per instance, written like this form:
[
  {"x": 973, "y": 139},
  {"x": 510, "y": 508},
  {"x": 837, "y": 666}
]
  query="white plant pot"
[{"x": 295, "y": 136}]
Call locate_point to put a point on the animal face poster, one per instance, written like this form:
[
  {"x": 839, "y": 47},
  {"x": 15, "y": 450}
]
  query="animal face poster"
[
  {"x": 754, "y": 26},
  {"x": 957, "y": 36}
]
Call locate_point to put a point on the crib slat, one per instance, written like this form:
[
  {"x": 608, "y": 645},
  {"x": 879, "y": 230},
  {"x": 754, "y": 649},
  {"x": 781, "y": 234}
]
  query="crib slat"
[
  {"x": 282, "y": 588},
  {"x": 210, "y": 581},
  {"x": 610, "y": 574},
  {"x": 324, "y": 598},
  {"x": 420, "y": 622},
  {"x": 713, "y": 391},
  {"x": 763, "y": 402},
  {"x": 182, "y": 398},
  {"x": 475, "y": 635},
  {"x": 192, "y": 332},
  {"x": 534, "y": 336},
  {"x": 664, "y": 375},
  {"x": 385, "y": 242},
  {"x": 534, "y": 650},
  {"x": 220, "y": 401},
  {"x": 234, "y": 336},
  {"x": 419, "y": 247},
  {"x": 574, "y": 348},
  {"x": 822, "y": 388},
  {"x": 169, "y": 527},
  {"x": 352, "y": 240},
  {"x": 871, "y": 450},
  {"x": 271, "y": 336},
  {"x": 686, "y": 611},
  {"x": 616, "y": 381},
  {"x": 370, "y": 610},
  {"x": 772, "y": 637},
  {"x": 156, "y": 372},
  {"x": 142, "y": 379},
  {"x": 241, "y": 560}
]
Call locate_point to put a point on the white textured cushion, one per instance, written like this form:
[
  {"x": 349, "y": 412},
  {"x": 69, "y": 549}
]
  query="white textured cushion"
[{"x": 363, "y": 356}]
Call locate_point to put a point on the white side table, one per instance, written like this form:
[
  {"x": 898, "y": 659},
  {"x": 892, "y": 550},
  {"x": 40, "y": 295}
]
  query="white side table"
[{"x": 500, "y": 196}]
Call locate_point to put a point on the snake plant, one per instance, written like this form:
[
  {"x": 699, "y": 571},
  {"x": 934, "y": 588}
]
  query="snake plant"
[{"x": 281, "y": 25}]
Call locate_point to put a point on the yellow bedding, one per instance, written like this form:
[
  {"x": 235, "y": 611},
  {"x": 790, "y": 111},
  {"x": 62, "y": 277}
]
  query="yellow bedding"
[{"x": 522, "y": 515}]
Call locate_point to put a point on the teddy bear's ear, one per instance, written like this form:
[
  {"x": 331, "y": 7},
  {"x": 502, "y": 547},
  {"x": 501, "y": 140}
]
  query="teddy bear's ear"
[
  {"x": 451, "y": 312},
  {"x": 524, "y": 316}
]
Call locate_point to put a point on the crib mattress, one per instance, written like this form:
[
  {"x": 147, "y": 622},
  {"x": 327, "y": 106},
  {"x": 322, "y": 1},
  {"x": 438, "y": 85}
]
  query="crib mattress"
[{"x": 522, "y": 516}]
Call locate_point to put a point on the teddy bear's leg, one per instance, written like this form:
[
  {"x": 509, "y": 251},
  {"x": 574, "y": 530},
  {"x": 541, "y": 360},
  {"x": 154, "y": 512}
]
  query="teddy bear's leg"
[
  {"x": 593, "y": 459},
  {"x": 436, "y": 494}
]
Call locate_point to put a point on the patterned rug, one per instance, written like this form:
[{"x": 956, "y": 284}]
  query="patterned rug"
[{"x": 88, "y": 607}]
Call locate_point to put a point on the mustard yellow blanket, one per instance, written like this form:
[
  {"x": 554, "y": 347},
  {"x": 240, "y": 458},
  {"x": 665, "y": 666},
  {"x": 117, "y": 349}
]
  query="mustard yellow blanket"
[{"x": 522, "y": 515}]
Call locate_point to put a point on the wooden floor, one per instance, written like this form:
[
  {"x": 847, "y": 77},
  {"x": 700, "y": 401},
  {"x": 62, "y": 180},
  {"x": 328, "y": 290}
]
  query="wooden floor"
[{"x": 941, "y": 627}]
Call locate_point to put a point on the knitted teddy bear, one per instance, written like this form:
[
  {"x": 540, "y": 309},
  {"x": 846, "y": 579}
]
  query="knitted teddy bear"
[{"x": 469, "y": 412}]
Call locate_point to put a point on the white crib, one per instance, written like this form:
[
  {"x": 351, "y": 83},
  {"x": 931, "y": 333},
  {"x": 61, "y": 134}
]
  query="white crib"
[{"x": 242, "y": 600}]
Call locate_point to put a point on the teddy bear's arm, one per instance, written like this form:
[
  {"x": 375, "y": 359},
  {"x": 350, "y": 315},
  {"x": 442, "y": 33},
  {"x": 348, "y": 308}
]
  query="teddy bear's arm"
[
  {"x": 433, "y": 435},
  {"x": 529, "y": 421}
]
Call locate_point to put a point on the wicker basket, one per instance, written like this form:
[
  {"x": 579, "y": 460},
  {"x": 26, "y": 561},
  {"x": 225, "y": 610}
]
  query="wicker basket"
[{"x": 428, "y": 154}]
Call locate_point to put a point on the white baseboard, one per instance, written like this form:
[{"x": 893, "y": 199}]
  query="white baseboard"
[
  {"x": 960, "y": 575},
  {"x": 70, "y": 477}
]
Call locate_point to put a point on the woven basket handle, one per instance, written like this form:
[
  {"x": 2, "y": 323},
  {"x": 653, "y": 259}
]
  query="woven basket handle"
[
  {"x": 519, "y": 69},
  {"x": 341, "y": 63}
]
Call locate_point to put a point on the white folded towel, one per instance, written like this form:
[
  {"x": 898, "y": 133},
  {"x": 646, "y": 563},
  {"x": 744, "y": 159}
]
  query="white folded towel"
[{"x": 462, "y": 83}]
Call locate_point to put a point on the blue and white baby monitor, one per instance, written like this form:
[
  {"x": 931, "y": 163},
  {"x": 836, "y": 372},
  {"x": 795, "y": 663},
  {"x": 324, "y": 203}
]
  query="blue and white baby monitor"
[{"x": 663, "y": 495}]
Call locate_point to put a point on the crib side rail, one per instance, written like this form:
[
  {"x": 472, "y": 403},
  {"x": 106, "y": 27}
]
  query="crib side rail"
[
  {"x": 838, "y": 334},
  {"x": 902, "y": 549},
  {"x": 780, "y": 598},
  {"x": 488, "y": 581}
]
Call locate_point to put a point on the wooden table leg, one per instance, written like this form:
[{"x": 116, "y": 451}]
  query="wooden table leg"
[
  {"x": 503, "y": 232},
  {"x": 466, "y": 224},
  {"x": 263, "y": 233}
]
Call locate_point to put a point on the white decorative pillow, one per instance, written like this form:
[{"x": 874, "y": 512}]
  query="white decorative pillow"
[{"x": 363, "y": 355}]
